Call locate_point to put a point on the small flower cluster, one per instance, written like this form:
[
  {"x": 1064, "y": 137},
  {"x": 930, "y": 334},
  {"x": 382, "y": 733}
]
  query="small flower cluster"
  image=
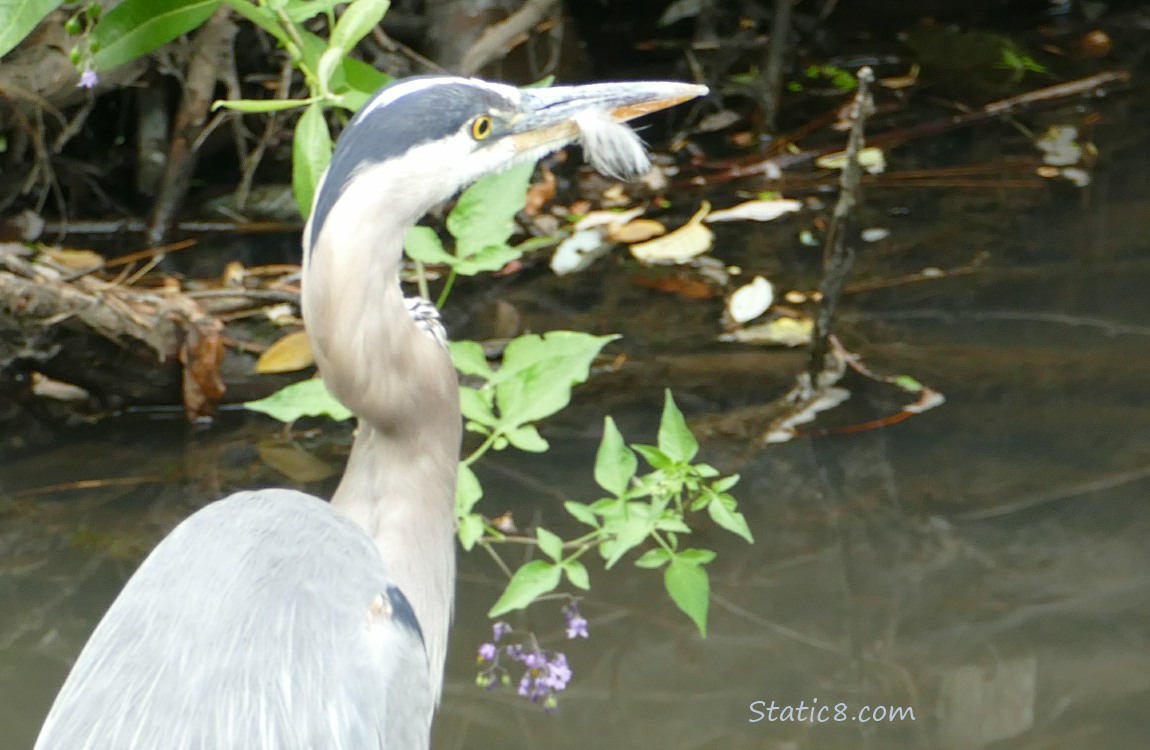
[{"x": 546, "y": 672}]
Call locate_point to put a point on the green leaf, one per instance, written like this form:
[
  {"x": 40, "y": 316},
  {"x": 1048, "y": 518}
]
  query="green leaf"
[
  {"x": 476, "y": 406},
  {"x": 533, "y": 580},
  {"x": 470, "y": 530},
  {"x": 652, "y": 455},
  {"x": 468, "y": 490},
  {"x": 307, "y": 398},
  {"x": 675, "y": 438},
  {"x": 311, "y": 153},
  {"x": 697, "y": 556},
  {"x": 581, "y": 513},
  {"x": 305, "y": 10},
  {"x": 469, "y": 358},
  {"x": 20, "y": 17},
  {"x": 654, "y": 558},
  {"x": 422, "y": 244},
  {"x": 259, "y": 105},
  {"x": 527, "y": 438},
  {"x": 550, "y": 544},
  {"x": 907, "y": 383},
  {"x": 690, "y": 589},
  {"x": 724, "y": 484},
  {"x": 136, "y": 27},
  {"x": 577, "y": 574},
  {"x": 484, "y": 215},
  {"x": 490, "y": 258},
  {"x": 723, "y": 513},
  {"x": 627, "y": 533},
  {"x": 539, "y": 371},
  {"x": 356, "y": 22},
  {"x": 615, "y": 464}
]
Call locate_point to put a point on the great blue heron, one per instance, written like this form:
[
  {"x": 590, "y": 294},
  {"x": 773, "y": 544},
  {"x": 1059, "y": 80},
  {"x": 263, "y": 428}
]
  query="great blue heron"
[{"x": 271, "y": 619}]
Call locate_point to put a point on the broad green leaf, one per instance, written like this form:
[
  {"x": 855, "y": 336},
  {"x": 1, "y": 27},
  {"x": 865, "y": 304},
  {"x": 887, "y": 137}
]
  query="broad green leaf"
[
  {"x": 581, "y": 513},
  {"x": 652, "y": 455},
  {"x": 422, "y": 243},
  {"x": 577, "y": 574},
  {"x": 311, "y": 153},
  {"x": 690, "y": 589},
  {"x": 19, "y": 17},
  {"x": 533, "y": 580},
  {"x": 729, "y": 519},
  {"x": 305, "y": 10},
  {"x": 550, "y": 544},
  {"x": 361, "y": 79},
  {"x": 476, "y": 406},
  {"x": 539, "y": 371},
  {"x": 675, "y": 438},
  {"x": 726, "y": 483},
  {"x": 615, "y": 464},
  {"x": 656, "y": 557},
  {"x": 628, "y": 532},
  {"x": 487, "y": 259},
  {"x": 307, "y": 398},
  {"x": 468, "y": 490},
  {"x": 136, "y": 27},
  {"x": 470, "y": 530},
  {"x": 527, "y": 438},
  {"x": 697, "y": 556},
  {"x": 469, "y": 358},
  {"x": 484, "y": 215},
  {"x": 259, "y": 105},
  {"x": 356, "y": 22}
]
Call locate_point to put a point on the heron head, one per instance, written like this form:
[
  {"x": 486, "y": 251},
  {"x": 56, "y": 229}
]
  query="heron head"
[{"x": 419, "y": 141}]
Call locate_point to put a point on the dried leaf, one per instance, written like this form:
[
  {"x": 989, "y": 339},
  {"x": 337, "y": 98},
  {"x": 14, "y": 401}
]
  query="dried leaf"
[
  {"x": 294, "y": 462},
  {"x": 684, "y": 243},
  {"x": 578, "y": 252},
  {"x": 760, "y": 210},
  {"x": 540, "y": 193},
  {"x": 750, "y": 300},
  {"x": 639, "y": 230},
  {"x": 77, "y": 260},
  {"x": 291, "y": 353},
  {"x": 201, "y": 355},
  {"x": 608, "y": 219},
  {"x": 784, "y": 331},
  {"x": 690, "y": 288},
  {"x": 871, "y": 159}
]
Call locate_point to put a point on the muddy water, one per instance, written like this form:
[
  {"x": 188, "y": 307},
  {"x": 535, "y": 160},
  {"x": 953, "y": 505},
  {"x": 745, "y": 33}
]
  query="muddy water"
[{"x": 978, "y": 574}]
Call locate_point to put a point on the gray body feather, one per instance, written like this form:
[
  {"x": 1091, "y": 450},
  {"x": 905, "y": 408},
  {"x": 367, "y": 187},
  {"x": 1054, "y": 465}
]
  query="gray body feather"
[{"x": 266, "y": 620}]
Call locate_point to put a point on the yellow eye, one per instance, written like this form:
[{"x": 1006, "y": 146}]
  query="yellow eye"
[{"x": 481, "y": 127}]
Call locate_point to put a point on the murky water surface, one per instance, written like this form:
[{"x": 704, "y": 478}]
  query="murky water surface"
[{"x": 981, "y": 572}]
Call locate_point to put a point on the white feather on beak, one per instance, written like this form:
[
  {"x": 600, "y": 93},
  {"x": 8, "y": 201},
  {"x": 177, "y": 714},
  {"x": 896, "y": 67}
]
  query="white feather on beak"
[{"x": 612, "y": 147}]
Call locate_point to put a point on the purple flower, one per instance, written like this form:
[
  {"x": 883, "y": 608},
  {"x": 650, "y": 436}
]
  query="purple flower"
[
  {"x": 88, "y": 79},
  {"x": 576, "y": 623},
  {"x": 534, "y": 660},
  {"x": 500, "y": 629},
  {"x": 487, "y": 652}
]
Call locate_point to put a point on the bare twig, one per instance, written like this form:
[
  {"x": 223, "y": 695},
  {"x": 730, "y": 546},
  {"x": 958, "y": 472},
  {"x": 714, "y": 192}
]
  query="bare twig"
[
  {"x": 504, "y": 36},
  {"x": 210, "y": 48},
  {"x": 839, "y": 255}
]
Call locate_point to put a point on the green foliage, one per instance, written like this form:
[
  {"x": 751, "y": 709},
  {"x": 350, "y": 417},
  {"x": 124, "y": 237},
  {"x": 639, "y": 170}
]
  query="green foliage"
[
  {"x": 649, "y": 509},
  {"x": 534, "y": 382},
  {"x": 482, "y": 222},
  {"x": 136, "y": 27},
  {"x": 20, "y": 17},
  {"x": 307, "y": 398},
  {"x": 311, "y": 153}
]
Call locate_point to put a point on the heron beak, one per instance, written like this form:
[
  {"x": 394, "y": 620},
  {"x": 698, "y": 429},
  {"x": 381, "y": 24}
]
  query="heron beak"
[{"x": 547, "y": 115}]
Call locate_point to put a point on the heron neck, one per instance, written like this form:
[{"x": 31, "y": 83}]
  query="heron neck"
[{"x": 399, "y": 484}]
